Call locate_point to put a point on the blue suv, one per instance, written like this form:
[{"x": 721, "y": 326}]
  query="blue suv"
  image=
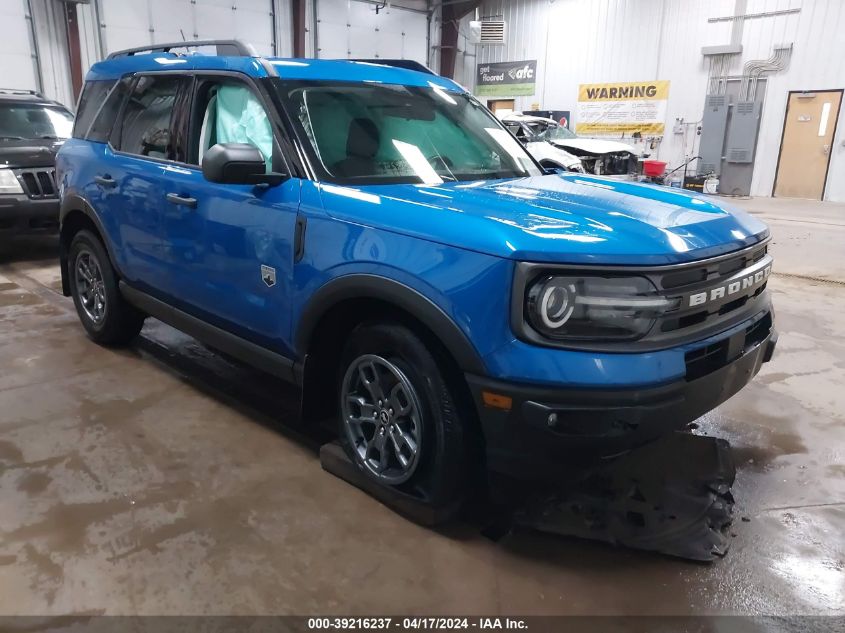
[{"x": 371, "y": 233}]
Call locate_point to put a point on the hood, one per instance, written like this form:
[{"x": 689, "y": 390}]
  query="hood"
[
  {"x": 559, "y": 154},
  {"x": 594, "y": 145},
  {"x": 29, "y": 152},
  {"x": 566, "y": 218}
]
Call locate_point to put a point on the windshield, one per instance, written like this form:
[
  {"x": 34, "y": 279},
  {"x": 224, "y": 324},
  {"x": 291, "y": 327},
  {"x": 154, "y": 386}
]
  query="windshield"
[
  {"x": 19, "y": 121},
  {"x": 380, "y": 133},
  {"x": 551, "y": 131}
]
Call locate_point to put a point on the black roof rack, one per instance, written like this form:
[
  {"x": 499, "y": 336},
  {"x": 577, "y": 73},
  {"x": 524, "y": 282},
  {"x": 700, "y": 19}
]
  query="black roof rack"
[
  {"x": 225, "y": 48},
  {"x": 407, "y": 64}
]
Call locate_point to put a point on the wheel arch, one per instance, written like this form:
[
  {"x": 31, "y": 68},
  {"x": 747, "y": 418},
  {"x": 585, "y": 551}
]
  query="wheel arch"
[
  {"x": 76, "y": 214},
  {"x": 344, "y": 303},
  {"x": 397, "y": 295}
]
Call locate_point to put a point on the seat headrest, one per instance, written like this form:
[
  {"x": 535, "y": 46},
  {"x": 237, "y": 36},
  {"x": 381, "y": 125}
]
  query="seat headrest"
[{"x": 363, "y": 138}]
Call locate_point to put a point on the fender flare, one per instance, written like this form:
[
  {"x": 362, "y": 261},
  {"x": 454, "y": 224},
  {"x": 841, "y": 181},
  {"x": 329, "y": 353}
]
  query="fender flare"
[
  {"x": 369, "y": 286},
  {"x": 74, "y": 202}
]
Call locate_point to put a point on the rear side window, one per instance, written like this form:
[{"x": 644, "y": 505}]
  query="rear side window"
[
  {"x": 92, "y": 98},
  {"x": 108, "y": 110},
  {"x": 145, "y": 127}
]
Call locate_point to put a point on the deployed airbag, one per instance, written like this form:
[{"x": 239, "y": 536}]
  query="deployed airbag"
[{"x": 241, "y": 119}]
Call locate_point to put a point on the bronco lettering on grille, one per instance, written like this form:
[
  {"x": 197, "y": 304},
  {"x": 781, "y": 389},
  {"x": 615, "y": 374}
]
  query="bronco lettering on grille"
[{"x": 736, "y": 286}]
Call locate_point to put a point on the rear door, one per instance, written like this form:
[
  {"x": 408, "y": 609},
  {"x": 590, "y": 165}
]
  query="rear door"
[
  {"x": 132, "y": 179},
  {"x": 230, "y": 247}
]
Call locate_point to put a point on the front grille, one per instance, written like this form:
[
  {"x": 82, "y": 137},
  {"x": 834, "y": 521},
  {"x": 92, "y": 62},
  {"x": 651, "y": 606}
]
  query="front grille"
[
  {"x": 711, "y": 273},
  {"x": 706, "y": 360},
  {"x": 695, "y": 278},
  {"x": 38, "y": 182}
]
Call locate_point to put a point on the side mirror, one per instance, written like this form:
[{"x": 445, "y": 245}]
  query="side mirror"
[{"x": 238, "y": 164}]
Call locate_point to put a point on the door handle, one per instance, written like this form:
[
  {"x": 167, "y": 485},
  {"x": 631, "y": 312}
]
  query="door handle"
[
  {"x": 175, "y": 198},
  {"x": 105, "y": 181}
]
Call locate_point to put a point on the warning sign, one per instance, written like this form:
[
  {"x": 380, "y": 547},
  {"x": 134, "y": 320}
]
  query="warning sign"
[{"x": 617, "y": 108}]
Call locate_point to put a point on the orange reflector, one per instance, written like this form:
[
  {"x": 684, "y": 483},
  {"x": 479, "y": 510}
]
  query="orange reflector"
[{"x": 497, "y": 401}]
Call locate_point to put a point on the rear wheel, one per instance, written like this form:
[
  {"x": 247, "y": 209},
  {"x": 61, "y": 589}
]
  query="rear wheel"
[
  {"x": 398, "y": 420},
  {"x": 106, "y": 316}
]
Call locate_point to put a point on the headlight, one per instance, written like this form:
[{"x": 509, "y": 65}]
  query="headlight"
[
  {"x": 9, "y": 182},
  {"x": 589, "y": 308}
]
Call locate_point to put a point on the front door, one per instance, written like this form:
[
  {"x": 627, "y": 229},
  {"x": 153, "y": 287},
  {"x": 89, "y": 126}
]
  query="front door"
[
  {"x": 808, "y": 133},
  {"x": 230, "y": 247}
]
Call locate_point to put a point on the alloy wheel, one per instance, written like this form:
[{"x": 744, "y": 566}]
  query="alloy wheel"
[
  {"x": 382, "y": 418},
  {"x": 90, "y": 286}
]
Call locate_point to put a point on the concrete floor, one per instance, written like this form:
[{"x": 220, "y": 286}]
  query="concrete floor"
[{"x": 157, "y": 480}]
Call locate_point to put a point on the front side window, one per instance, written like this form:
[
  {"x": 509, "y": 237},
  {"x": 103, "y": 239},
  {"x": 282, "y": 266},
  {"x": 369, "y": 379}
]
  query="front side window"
[
  {"x": 230, "y": 112},
  {"x": 145, "y": 128},
  {"x": 380, "y": 133},
  {"x": 20, "y": 121}
]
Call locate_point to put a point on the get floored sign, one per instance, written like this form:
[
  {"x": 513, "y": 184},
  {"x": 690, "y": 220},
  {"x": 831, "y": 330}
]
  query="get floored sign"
[
  {"x": 506, "y": 79},
  {"x": 618, "y": 108}
]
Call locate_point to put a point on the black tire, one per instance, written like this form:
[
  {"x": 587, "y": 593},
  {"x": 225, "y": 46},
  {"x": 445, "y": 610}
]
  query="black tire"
[
  {"x": 120, "y": 322},
  {"x": 442, "y": 472}
]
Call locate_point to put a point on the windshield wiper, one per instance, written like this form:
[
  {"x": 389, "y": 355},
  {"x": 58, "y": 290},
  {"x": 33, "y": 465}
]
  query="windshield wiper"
[{"x": 12, "y": 138}]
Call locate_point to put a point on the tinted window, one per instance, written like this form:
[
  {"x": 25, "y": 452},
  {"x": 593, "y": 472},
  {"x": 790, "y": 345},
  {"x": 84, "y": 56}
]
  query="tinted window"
[
  {"x": 92, "y": 98},
  {"x": 146, "y": 119},
  {"x": 108, "y": 110},
  {"x": 20, "y": 121}
]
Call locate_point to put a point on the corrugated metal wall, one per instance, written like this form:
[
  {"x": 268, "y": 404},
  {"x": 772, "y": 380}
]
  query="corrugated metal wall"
[
  {"x": 585, "y": 41},
  {"x": 344, "y": 28},
  {"x": 121, "y": 24}
]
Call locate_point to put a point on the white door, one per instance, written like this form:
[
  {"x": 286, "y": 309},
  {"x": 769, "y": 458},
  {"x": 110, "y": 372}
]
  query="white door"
[
  {"x": 15, "y": 47},
  {"x": 353, "y": 30},
  {"x": 142, "y": 22}
]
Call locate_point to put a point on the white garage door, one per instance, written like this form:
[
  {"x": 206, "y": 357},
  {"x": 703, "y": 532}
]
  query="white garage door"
[
  {"x": 142, "y": 22},
  {"x": 353, "y": 30},
  {"x": 15, "y": 47}
]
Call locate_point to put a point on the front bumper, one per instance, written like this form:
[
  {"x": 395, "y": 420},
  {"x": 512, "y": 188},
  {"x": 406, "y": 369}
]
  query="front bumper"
[
  {"x": 532, "y": 432},
  {"x": 21, "y": 214}
]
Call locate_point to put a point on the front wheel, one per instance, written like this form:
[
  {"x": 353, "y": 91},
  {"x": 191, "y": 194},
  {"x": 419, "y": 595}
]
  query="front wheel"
[{"x": 398, "y": 420}]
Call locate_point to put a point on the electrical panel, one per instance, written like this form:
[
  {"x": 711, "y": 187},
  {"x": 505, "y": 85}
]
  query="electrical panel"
[
  {"x": 713, "y": 126},
  {"x": 742, "y": 132}
]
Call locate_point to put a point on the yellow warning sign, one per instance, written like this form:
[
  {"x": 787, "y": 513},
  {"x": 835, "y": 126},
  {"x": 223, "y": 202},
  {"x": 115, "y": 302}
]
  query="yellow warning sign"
[{"x": 622, "y": 108}]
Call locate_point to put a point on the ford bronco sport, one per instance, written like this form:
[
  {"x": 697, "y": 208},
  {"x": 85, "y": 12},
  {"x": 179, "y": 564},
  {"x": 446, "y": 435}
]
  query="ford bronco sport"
[{"x": 373, "y": 234}]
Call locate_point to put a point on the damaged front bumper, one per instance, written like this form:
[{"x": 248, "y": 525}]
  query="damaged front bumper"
[{"x": 539, "y": 432}]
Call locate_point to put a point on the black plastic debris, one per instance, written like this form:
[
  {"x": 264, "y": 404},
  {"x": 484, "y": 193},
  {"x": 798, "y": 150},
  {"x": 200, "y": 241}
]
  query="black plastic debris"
[{"x": 672, "y": 497}]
